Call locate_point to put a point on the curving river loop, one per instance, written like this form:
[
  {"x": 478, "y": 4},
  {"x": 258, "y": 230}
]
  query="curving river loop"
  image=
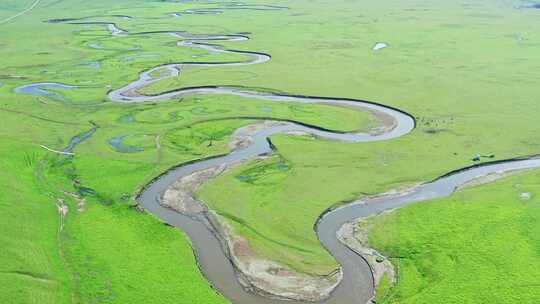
[{"x": 357, "y": 284}]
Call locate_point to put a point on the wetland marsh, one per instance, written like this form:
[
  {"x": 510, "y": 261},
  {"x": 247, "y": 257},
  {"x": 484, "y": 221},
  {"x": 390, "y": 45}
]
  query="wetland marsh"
[{"x": 307, "y": 116}]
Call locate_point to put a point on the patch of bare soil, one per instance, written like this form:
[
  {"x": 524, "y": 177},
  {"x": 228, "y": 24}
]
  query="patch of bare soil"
[
  {"x": 132, "y": 93},
  {"x": 485, "y": 179},
  {"x": 383, "y": 122},
  {"x": 242, "y": 137},
  {"x": 63, "y": 210},
  {"x": 267, "y": 277},
  {"x": 181, "y": 195},
  {"x": 387, "y": 123},
  {"x": 81, "y": 201},
  {"x": 355, "y": 236}
]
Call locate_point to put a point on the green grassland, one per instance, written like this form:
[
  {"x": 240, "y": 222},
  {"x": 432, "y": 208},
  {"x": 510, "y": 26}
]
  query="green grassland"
[
  {"x": 467, "y": 70},
  {"x": 108, "y": 252},
  {"x": 463, "y": 70},
  {"x": 9, "y": 8},
  {"x": 480, "y": 245}
]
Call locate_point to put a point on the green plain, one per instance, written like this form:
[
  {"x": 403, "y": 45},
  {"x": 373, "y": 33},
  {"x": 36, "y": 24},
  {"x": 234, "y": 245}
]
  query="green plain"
[
  {"x": 467, "y": 70},
  {"x": 481, "y": 245}
]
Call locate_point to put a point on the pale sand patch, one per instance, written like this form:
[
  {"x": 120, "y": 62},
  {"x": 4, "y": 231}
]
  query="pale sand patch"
[
  {"x": 268, "y": 277},
  {"x": 63, "y": 210},
  {"x": 180, "y": 196},
  {"x": 81, "y": 201},
  {"x": 485, "y": 179},
  {"x": 355, "y": 236}
]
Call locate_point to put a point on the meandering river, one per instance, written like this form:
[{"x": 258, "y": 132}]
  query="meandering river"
[{"x": 357, "y": 283}]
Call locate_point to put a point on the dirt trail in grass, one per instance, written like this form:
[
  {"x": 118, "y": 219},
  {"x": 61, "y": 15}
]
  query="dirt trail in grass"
[{"x": 218, "y": 251}]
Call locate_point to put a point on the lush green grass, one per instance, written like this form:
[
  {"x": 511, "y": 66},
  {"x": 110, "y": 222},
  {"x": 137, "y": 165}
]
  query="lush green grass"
[
  {"x": 454, "y": 65},
  {"x": 121, "y": 256},
  {"x": 341, "y": 173},
  {"x": 481, "y": 245},
  {"x": 108, "y": 253},
  {"x": 95, "y": 238},
  {"x": 32, "y": 268},
  {"x": 465, "y": 69}
]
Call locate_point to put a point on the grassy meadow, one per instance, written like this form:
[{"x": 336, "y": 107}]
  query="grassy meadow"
[
  {"x": 107, "y": 251},
  {"x": 463, "y": 69},
  {"x": 480, "y": 245},
  {"x": 467, "y": 70}
]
